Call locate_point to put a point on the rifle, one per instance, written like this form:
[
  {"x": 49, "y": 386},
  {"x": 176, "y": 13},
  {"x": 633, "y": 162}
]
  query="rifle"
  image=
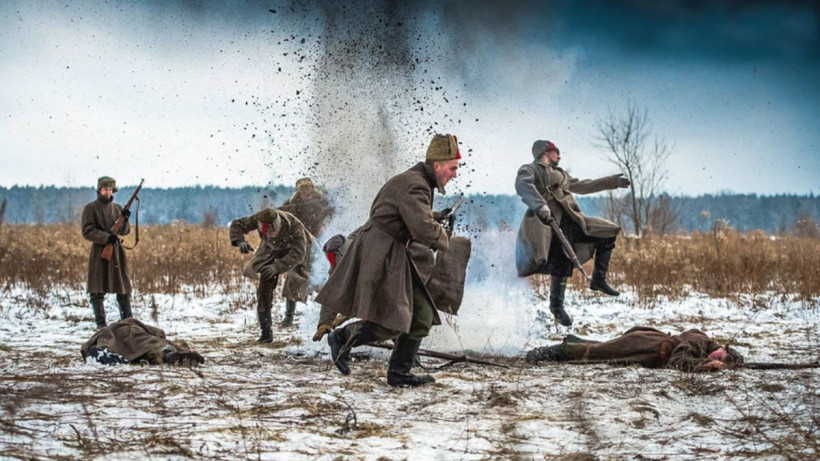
[
  {"x": 567, "y": 247},
  {"x": 779, "y": 365},
  {"x": 453, "y": 358},
  {"x": 108, "y": 251},
  {"x": 444, "y": 219}
]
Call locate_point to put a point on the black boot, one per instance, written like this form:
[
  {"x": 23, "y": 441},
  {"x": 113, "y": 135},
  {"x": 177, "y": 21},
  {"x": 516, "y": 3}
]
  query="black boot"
[
  {"x": 290, "y": 308},
  {"x": 265, "y": 323},
  {"x": 124, "y": 301},
  {"x": 341, "y": 340},
  {"x": 598, "y": 282},
  {"x": 97, "y": 301},
  {"x": 401, "y": 361},
  {"x": 558, "y": 288},
  {"x": 553, "y": 353}
]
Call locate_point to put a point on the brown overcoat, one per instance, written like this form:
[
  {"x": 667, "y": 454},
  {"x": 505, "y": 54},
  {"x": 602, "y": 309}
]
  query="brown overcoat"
[
  {"x": 538, "y": 184},
  {"x": 104, "y": 276},
  {"x": 374, "y": 280},
  {"x": 313, "y": 210},
  {"x": 687, "y": 351},
  {"x": 131, "y": 339},
  {"x": 286, "y": 251}
]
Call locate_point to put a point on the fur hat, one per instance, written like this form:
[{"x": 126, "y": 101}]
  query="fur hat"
[
  {"x": 106, "y": 181},
  {"x": 305, "y": 182},
  {"x": 541, "y": 147},
  {"x": 734, "y": 358},
  {"x": 443, "y": 147},
  {"x": 268, "y": 216}
]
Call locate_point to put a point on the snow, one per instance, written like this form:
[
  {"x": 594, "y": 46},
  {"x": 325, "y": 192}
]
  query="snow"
[{"x": 287, "y": 401}]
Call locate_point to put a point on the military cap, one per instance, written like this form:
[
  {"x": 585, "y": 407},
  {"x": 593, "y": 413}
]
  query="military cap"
[
  {"x": 268, "y": 216},
  {"x": 304, "y": 182},
  {"x": 106, "y": 181},
  {"x": 540, "y": 147},
  {"x": 443, "y": 147}
]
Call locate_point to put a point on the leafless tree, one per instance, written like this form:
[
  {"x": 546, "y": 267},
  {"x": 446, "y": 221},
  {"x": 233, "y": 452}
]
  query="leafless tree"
[
  {"x": 642, "y": 158},
  {"x": 3, "y": 210}
]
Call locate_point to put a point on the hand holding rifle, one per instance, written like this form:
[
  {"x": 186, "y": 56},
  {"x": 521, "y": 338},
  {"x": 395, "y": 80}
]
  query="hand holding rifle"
[
  {"x": 546, "y": 217},
  {"x": 448, "y": 216},
  {"x": 113, "y": 236}
]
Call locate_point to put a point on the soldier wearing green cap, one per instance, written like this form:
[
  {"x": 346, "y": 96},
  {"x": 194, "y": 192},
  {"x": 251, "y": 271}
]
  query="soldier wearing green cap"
[
  {"x": 383, "y": 276},
  {"x": 548, "y": 190},
  {"x": 104, "y": 276},
  {"x": 283, "y": 247}
]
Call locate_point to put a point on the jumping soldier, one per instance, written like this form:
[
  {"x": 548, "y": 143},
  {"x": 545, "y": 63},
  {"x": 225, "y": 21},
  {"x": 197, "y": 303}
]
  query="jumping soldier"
[
  {"x": 548, "y": 190},
  {"x": 131, "y": 341},
  {"x": 104, "y": 276},
  {"x": 282, "y": 248},
  {"x": 381, "y": 279},
  {"x": 690, "y": 351},
  {"x": 309, "y": 205}
]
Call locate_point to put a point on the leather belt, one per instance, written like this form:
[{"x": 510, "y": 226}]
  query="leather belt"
[
  {"x": 663, "y": 351},
  {"x": 388, "y": 231}
]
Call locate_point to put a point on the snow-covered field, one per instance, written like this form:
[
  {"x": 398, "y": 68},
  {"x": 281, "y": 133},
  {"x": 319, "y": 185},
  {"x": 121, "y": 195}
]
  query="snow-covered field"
[{"x": 287, "y": 401}]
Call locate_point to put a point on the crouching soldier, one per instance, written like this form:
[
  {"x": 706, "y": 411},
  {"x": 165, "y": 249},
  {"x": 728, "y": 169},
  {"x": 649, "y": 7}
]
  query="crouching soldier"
[
  {"x": 104, "y": 276},
  {"x": 690, "y": 351},
  {"x": 382, "y": 277},
  {"x": 131, "y": 341},
  {"x": 283, "y": 248},
  {"x": 310, "y": 206}
]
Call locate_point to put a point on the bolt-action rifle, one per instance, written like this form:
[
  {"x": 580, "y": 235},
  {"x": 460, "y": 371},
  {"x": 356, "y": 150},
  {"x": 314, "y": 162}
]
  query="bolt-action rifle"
[
  {"x": 453, "y": 358},
  {"x": 108, "y": 251},
  {"x": 779, "y": 365},
  {"x": 567, "y": 247}
]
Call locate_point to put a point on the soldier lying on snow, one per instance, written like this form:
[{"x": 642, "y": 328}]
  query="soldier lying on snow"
[
  {"x": 690, "y": 351},
  {"x": 131, "y": 341}
]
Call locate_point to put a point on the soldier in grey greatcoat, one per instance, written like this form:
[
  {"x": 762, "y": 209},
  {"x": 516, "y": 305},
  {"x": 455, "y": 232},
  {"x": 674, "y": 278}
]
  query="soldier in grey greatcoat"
[
  {"x": 282, "y": 248},
  {"x": 383, "y": 276},
  {"x": 548, "y": 190},
  {"x": 104, "y": 276},
  {"x": 311, "y": 207}
]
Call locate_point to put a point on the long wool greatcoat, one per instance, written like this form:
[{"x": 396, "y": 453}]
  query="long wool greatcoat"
[
  {"x": 286, "y": 251},
  {"x": 687, "y": 351},
  {"x": 533, "y": 243},
  {"x": 104, "y": 276},
  {"x": 374, "y": 281},
  {"x": 131, "y": 339},
  {"x": 313, "y": 210}
]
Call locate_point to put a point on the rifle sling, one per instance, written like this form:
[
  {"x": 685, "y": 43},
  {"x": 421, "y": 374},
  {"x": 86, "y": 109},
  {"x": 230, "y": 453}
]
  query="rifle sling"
[{"x": 136, "y": 227}]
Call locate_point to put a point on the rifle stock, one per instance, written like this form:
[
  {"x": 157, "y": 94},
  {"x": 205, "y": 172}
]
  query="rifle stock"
[
  {"x": 108, "y": 251},
  {"x": 779, "y": 365},
  {"x": 567, "y": 247}
]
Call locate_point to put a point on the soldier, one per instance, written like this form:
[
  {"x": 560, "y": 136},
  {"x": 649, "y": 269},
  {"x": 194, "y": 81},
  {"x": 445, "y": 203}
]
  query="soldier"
[
  {"x": 282, "y": 248},
  {"x": 131, "y": 341},
  {"x": 309, "y": 205},
  {"x": 104, "y": 276},
  {"x": 548, "y": 190},
  {"x": 381, "y": 279},
  {"x": 690, "y": 351}
]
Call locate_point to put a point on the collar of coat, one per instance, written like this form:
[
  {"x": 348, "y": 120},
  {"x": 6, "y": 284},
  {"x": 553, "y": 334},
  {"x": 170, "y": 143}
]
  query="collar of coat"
[
  {"x": 430, "y": 175},
  {"x": 547, "y": 164}
]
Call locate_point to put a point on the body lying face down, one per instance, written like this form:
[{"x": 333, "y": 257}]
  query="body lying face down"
[{"x": 131, "y": 341}]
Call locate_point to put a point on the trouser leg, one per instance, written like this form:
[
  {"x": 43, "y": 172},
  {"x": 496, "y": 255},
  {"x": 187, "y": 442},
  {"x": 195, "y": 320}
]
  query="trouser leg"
[
  {"x": 407, "y": 345},
  {"x": 124, "y": 302},
  {"x": 97, "y": 301}
]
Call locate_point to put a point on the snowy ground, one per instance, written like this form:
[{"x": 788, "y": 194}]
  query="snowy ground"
[{"x": 287, "y": 401}]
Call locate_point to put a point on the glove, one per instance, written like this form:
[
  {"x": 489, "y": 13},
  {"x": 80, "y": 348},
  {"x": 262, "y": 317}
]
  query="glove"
[
  {"x": 245, "y": 248},
  {"x": 112, "y": 239},
  {"x": 321, "y": 331},
  {"x": 268, "y": 272},
  {"x": 340, "y": 319},
  {"x": 544, "y": 214},
  {"x": 126, "y": 213},
  {"x": 623, "y": 182}
]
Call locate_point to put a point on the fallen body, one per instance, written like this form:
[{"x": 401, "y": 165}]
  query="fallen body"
[
  {"x": 131, "y": 341},
  {"x": 690, "y": 351}
]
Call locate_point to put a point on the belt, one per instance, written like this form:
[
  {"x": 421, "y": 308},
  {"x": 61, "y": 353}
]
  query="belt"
[
  {"x": 664, "y": 347},
  {"x": 388, "y": 231}
]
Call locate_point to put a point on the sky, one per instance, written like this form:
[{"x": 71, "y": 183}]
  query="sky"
[{"x": 251, "y": 93}]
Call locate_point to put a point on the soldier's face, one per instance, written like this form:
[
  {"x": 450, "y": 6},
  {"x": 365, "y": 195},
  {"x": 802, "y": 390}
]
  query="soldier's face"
[
  {"x": 553, "y": 156},
  {"x": 107, "y": 192},
  {"x": 445, "y": 171}
]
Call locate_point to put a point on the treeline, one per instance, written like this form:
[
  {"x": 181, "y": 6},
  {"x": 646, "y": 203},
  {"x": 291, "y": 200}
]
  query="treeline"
[{"x": 210, "y": 205}]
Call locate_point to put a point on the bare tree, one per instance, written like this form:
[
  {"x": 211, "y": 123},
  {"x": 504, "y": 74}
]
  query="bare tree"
[
  {"x": 3, "y": 210},
  {"x": 642, "y": 160}
]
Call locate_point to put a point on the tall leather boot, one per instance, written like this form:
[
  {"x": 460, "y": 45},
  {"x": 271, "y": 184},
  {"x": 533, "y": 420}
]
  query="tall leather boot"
[
  {"x": 558, "y": 289},
  {"x": 342, "y": 340},
  {"x": 97, "y": 301},
  {"x": 554, "y": 353},
  {"x": 598, "y": 282},
  {"x": 401, "y": 361},
  {"x": 265, "y": 324},
  {"x": 290, "y": 308},
  {"x": 124, "y": 301}
]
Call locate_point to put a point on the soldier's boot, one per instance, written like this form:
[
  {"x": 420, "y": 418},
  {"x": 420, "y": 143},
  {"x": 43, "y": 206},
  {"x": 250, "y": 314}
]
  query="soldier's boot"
[
  {"x": 124, "y": 301},
  {"x": 576, "y": 339},
  {"x": 290, "y": 308},
  {"x": 172, "y": 356},
  {"x": 97, "y": 301},
  {"x": 265, "y": 324},
  {"x": 554, "y": 353},
  {"x": 558, "y": 289},
  {"x": 598, "y": 282},
  {"x": 401, "y": 361},
  {"x": 342, "y": 340}
]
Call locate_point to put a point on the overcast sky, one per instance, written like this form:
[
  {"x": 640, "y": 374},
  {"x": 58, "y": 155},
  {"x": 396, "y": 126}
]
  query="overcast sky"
[{"x": 247, "y": 93}]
